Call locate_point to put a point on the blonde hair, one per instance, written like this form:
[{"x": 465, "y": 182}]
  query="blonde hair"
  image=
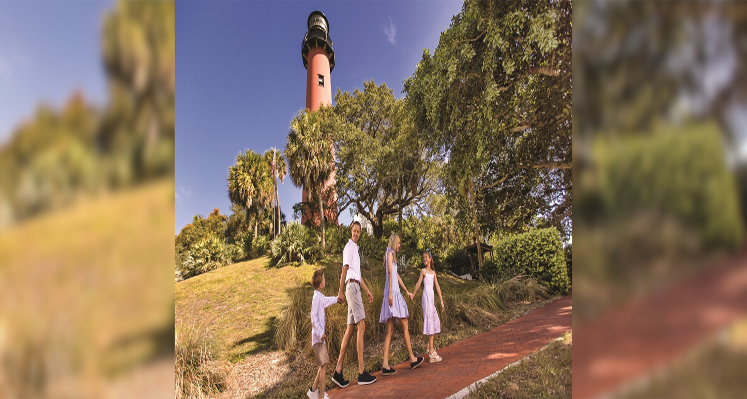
[{"x": 392, "y": 240}]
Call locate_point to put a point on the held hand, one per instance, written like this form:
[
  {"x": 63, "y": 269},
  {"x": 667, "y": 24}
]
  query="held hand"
[
  {"x": 391, "y": 300},
  {"x": 411, "y": 295},
  {"x": 370, "y": 297},
  {"x": 324, "y": 337},
  {"x": 340, "y": 299}
]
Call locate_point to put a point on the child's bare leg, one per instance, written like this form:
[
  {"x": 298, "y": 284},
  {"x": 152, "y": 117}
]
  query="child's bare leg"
[
  {"x": 344, "y": 347},
  {"x": 431, "y": 348},
  {"x": 322, "y": 380},
  {"x": 387, "y": 341},
  {"x": 318, "y": 380},
  {"x": 406, "y": 333}
]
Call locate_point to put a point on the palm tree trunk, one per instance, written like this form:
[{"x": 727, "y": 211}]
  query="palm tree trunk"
[
  {"x": 256, "y": 223},
  {"x": 277, "y": 200},
  {"x": 321, "y": 215}
]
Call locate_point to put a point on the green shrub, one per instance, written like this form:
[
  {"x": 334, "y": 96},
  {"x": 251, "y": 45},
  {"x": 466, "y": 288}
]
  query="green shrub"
[
  {"x": 296, "y": 243},
  {"x": 260, "y": 246},
  {"x": 680, "y": 173},
  {"x": 457, "y": 260},
  {"x": 234, "y": 253},
  {"x": 337, "y": 238},
  {"x": 537, "y": 253},
  {"x": 371, "y": 247},
  {"x": 207, "y": 255}
]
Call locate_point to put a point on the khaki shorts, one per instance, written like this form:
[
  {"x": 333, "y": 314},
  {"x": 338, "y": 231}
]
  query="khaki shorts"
[
  {"x": 320, "y": 351},
  {"x": 355, "y": 303}
]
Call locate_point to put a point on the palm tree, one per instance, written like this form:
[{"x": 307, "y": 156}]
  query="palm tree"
[
  {"x": 281, "y": 170},
  {"x": 309, "y": 154},
  {"x": 250, "y": 184}
]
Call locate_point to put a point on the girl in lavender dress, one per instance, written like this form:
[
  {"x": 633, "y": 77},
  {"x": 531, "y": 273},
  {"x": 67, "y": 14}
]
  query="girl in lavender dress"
[
  {"x": 394, "y": 306},
  {"x": 431, "y": 322}
]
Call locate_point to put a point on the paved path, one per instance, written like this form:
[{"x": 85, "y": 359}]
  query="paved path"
[
  {"x": 469, "y": 360},
  {"x": 632, "y": 340}
]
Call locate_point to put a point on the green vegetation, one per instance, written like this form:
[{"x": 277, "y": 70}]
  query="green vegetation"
[
  {"x": 59, "y": 156},
  {"x": 546, "y": 374},
  {"x": 198, "y": 373},
  {"x": 537, "y": 253},
  {"x": 495, "y": 98}
]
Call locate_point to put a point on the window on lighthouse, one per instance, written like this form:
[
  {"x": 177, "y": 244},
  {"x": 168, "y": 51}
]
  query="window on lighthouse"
[{"x": 321, "y": 80}]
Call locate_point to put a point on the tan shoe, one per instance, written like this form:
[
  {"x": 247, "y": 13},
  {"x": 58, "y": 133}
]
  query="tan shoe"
[{"x": 434, "y": 358}]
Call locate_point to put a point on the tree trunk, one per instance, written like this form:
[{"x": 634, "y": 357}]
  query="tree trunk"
[
  {"x": 321, "y": 214},
  {"x": 477, "y": 227},
  {"x": 378, "y": 226},
  {"x": 277, "y": 200},
  {"x": 400, "y": 222},
  {"x": 256, "y": 223}
]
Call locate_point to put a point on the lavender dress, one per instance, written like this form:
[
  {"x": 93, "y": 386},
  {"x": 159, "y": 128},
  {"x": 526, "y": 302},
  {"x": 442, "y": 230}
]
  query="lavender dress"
[
  {"x": 399, "y": 307},
  {"x": 431, "y": 322}
]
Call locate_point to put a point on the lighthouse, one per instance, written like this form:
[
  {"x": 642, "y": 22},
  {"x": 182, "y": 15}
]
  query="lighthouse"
[{"x": 318, "y": 53}]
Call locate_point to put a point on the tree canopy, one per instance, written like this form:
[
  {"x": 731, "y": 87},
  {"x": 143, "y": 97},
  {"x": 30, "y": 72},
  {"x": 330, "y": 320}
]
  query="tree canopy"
[{"x": 494, "y": 101}]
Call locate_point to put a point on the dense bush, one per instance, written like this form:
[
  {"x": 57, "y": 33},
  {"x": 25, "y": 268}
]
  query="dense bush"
[
  {"x": 681, "y": 174},
  {"x": 457, "y": 260},
  {"x": 537, "y": 253},
  {"x": 205, "y": 256},
  {"x": 234, "y": 253},
  {"x": 337, "y": 238},
  {"x": 296, "y": 243},
  {"x": 260, "y": 247},
  {"x": 569, "y": 261},
  {"x": 371, "y": 247}
]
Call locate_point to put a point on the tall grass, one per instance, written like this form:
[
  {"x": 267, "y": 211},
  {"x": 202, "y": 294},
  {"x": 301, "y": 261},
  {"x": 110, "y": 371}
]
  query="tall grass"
[
  {"x": 520, "y": 289},
  {"x": 198, "y": 371}
]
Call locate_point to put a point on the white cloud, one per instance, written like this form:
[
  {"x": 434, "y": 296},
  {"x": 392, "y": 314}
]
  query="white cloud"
[
  {"x": 391, "y": 32},
  {"x": 187, "y": 192}
]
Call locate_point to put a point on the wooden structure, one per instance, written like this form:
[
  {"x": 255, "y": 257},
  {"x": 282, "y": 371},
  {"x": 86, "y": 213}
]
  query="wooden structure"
[{"x": 472, "y": 249}]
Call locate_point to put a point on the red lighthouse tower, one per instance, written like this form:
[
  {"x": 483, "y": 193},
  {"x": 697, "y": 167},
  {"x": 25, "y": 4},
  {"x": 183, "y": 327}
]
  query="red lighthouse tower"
[{"x": 318, "y": 54}]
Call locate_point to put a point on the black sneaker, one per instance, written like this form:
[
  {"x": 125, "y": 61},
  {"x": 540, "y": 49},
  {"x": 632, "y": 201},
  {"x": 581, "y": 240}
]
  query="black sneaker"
[
  {"x": 388, "y": 371},
  {"x": 416, "y": 363},
  {"x": 365, "y": 378},
  {"x": 337, "y": 379}
]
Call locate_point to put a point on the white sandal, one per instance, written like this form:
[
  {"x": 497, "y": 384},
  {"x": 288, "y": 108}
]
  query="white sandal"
[{"x": 434, "y": 358}]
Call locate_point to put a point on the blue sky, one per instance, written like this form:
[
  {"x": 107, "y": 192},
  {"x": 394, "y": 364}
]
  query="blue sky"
[
  {"x": 240, "y": 79},
  {"x": 48, "y": 49}
]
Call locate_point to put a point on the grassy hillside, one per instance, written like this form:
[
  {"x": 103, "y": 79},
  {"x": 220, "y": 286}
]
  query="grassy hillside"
[
  {"x": 237, "y": 303},
  {"x": 85, "y": 293}
]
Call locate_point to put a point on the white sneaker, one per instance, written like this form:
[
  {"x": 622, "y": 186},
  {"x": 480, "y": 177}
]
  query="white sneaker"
[
  {"x": 434, "y": 358},
  {"x": 326, "y": 396},
  {"x": 314, "y": 394}
]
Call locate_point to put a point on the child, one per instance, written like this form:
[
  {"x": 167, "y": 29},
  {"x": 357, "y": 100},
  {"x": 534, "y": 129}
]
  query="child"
[
  {"x": 431, "y": 323},
  {"x": 394, "y": 306},
  {"x": 318, "y": 336}
]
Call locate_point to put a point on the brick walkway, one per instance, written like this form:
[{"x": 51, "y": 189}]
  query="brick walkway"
[
  {"x": 471, "y": 359},
  {"x": 630, "y": 341}
]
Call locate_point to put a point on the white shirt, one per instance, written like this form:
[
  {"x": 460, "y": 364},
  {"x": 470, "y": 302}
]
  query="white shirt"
[
  {"x": 318, "y": 304},
  {"x": 351, "y": 258}
]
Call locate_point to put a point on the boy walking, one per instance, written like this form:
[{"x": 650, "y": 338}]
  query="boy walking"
[
  {"x": 352, "y": 282},
  {"x": 318, "y": 336}
]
